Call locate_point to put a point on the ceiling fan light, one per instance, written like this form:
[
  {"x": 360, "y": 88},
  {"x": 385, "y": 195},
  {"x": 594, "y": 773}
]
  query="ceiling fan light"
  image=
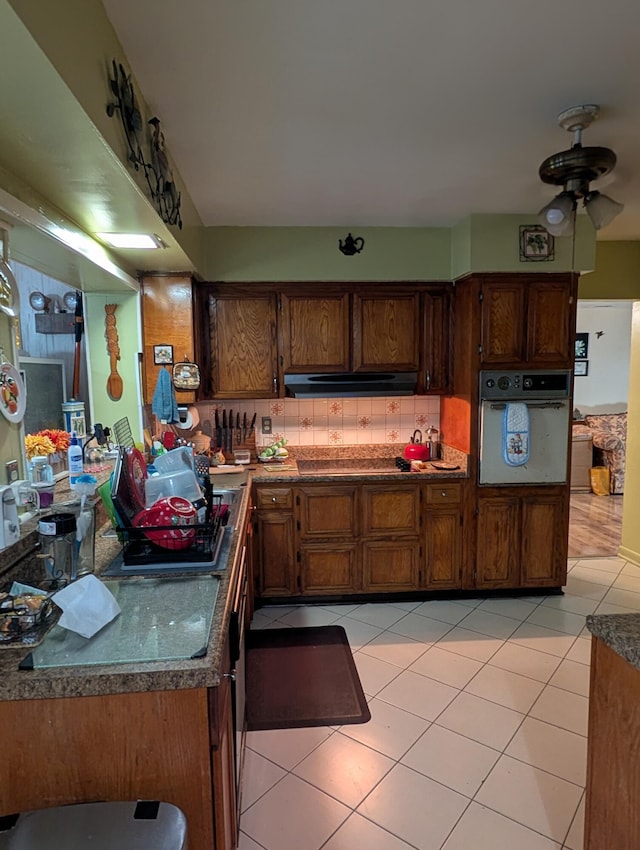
[
  {"x": 601, "y": 209},
  {"x": 558, "y": 216}
]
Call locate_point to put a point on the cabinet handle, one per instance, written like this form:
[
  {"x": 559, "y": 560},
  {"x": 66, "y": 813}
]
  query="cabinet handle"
[
  {"x": 274, "y": 499},
  {"x": 275, "y": 383},
  {"x": 231, "y": 675},
  {"x": 428, "y": 379},
  {"x": 443, "y": 493}
]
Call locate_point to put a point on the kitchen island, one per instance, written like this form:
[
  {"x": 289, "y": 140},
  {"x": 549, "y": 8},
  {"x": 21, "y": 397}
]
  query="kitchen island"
[{"x": 612, "y": 817}]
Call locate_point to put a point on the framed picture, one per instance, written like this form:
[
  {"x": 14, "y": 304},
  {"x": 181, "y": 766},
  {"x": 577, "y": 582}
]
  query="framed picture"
[
  {"x": 582, "y": 347},
  {"x": 581, "y": 368},
  {"x": 162, "y": 354},
  {"x": 536, "y": 244}
]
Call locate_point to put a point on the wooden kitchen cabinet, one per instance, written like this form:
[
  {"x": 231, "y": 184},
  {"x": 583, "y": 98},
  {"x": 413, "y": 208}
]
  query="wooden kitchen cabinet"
[
  {"x": 521, "y": 538},
  {"x": 327, "y": 511},
  {"x": 328, "y": 568},
  {"x": 391, "y": 546},
  {"x": 386, "y": 331},
  {"x": 315, "y": 332},
  {"x": 223, "y": 761},
  {"x": 152, "y": 745},
  {"x": 275, "y": 549},
  {"x": 443, "y": 537},
  {"x": 436, "y": 336},
  {"x": 527, "y": 321},
  {"x": 390, "y": 566},
  {"x": 241, "y": 354}
]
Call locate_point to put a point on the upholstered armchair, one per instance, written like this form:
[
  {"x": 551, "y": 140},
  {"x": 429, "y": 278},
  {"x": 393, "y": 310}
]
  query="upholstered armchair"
[{"x": 609, "y": 431}]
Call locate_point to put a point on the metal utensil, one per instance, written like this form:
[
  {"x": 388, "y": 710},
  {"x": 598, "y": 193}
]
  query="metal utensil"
[
  {"x": 244, "y": 426},
  {"x": 238, "y": 431},
  {"x": 252, "y": 427},
  {"x": 224, "y": 430}
]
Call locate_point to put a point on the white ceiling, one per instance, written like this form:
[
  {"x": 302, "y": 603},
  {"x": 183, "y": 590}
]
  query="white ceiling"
[{"x": 378, "y": 113}]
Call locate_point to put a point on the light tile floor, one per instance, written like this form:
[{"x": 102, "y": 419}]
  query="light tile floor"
[{"x": 477, "y": 738}]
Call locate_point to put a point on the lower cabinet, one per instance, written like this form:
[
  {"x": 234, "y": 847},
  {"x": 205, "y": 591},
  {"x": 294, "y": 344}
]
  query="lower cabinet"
[
  {"x": 521, "y": 538},
  {"x": 443, "y": 537},
  {"x": 276, "y": 569},
  {"x": 390, "y": 565},
  {"x": 154, "y": 745}
]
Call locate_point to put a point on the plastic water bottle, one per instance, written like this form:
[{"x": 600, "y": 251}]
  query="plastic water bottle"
[{"x": 74, "y": 455}]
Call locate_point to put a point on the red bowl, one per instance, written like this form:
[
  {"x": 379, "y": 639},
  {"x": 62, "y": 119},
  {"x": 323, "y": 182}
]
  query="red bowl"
[{"x": 173, "y": 511}]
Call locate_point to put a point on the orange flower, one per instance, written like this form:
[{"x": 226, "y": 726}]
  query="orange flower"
[{"x": 60, "y": 439}]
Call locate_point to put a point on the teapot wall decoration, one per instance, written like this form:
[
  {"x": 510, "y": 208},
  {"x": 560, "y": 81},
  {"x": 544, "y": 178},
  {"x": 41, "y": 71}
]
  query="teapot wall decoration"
[{"x": 351, "y": 246}]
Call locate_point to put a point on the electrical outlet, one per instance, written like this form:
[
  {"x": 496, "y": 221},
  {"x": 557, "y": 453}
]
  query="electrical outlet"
[
  {"x": 266, "y": 424},
  {"x": 12, "y": 471}
]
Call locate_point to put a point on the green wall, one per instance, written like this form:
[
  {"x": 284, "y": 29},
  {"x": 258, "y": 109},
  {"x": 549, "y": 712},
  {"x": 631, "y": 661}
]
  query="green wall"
[
  {"x": 480, "y": 243},
  {"x": 616, "y": 274}
]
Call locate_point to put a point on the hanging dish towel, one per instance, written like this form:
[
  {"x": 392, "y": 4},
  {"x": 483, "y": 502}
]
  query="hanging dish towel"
[
  {"x": 515, "y": 434},
  {"x": 164, "y": 404}
]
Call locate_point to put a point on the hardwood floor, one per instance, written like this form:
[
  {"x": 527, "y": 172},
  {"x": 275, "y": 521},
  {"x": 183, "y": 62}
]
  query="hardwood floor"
[{"x": 595, "y": 525}]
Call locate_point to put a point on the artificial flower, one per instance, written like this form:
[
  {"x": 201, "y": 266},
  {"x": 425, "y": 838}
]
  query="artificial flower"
[
  {"x": 37, "y": 445},
  {"x": 60, "y": 439}
]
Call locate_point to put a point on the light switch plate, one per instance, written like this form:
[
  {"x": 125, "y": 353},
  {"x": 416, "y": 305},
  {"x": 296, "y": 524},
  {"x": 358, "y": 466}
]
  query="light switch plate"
[{"x": 11, "y": 467}]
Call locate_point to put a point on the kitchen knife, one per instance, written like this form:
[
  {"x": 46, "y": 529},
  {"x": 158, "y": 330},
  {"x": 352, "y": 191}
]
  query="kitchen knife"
[
  {"x": 224, "y": 430},
  {"x": 244, "y": 426},
  {"x": 218, "y": 431},
  {"x": 253, "y": 423},
  {"x": 238, "y": 432},
  {"x": 230, "y": 431}
]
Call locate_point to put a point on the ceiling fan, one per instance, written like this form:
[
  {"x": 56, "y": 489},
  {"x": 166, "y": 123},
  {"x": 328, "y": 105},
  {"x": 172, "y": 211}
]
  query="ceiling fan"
[{"x": 574, "y": 169}]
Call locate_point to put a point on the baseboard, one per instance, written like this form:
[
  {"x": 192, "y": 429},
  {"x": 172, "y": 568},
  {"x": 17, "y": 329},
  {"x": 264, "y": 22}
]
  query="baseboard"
[{"x": 629, "y": 555}]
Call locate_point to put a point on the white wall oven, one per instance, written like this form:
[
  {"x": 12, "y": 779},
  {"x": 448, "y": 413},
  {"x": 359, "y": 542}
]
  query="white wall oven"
[{"x": 524, "y": 427}]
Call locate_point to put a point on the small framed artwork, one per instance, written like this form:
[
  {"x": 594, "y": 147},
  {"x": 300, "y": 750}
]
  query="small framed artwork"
[
  {"x": 582, "y": 346},
  {"x": 581, "y": 368},
  {"x": 162, "y": 354},
  {"x": 536, "y": 244}
]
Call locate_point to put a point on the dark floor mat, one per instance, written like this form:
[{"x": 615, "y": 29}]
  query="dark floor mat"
[{"x": 302, "y": 677}]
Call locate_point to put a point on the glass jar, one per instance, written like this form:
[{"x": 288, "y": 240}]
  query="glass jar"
[{"x": 40, "y": 471}]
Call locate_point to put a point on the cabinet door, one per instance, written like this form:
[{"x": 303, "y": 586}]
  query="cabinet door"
[
  {"x": 436, "y": 342},
  {"x": 315, "y": 333},
  {"x": 390, "y": 510},
  {"x": 386, "y": 332},
  {"x": 327, "y": 512},
  {"x": 390, "y": 565},
  {"x": 503, "y": 322},
  {"x": 328, "y": 568},
  {"x": 549, "y": 314},
  {"x": 443, "y": 567},
  {"x": 498, "y": 542},
  {"x": 223, "y": 762},
  {"x": 544, "y": 541},
  {"x": 242, "y": 340},
  {"x": 277, "y": 573}
]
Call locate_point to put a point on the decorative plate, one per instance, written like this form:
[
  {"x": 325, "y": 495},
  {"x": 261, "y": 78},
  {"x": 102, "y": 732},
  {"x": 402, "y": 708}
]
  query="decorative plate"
[
  {"x": 136, "y": 474},
  {"x": 13, "y": 393},
  {"x": 442, "y": 464}
]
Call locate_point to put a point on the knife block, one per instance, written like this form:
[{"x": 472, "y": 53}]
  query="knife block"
[{"x": 249, "y": 445}]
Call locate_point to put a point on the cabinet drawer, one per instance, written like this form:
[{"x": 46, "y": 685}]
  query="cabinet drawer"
[
  {"x": 274, "y": 498},
  {"x": 444, "y": 494}
]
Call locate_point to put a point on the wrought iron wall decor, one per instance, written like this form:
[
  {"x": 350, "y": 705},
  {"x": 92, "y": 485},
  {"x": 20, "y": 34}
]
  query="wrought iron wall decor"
[
  {"x": 155, "y": 165},
  {"x": 351, "y": 246}
]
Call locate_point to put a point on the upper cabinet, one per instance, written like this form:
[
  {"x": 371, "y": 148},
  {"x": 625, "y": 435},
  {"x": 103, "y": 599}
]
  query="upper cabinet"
[
  {"x": 315, "y": 333},
  {"x": 386, "y": 331},
  {"x": 241, "y": 359},
  {"x": 250, "y": 335},
  {"x": 527, "y": 320}
]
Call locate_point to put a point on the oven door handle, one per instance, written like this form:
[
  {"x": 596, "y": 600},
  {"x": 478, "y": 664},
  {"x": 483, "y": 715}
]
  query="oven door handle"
[
  {"x": 234, "y": 637},
  {"x": 541, "y": 405}
]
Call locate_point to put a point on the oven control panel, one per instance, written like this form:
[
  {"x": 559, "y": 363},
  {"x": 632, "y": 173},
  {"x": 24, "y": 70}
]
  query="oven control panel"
[{"x": 529, "y": 384}]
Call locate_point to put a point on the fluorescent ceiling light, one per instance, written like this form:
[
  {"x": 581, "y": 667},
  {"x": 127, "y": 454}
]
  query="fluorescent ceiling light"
[{"x": 132, "y": 240}]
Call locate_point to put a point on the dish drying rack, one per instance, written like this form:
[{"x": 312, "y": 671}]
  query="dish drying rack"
[{"x": 139, "y": 551}]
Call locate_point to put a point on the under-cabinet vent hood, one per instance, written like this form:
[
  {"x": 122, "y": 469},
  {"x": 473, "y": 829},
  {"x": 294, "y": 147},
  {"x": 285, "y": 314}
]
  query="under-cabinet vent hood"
[{"x": 350, "y": 384}]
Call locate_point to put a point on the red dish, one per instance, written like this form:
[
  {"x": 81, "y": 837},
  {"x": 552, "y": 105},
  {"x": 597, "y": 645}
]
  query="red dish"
[
  {"x": 136, "y": 476},
  {"x": 173, "y": 511}
]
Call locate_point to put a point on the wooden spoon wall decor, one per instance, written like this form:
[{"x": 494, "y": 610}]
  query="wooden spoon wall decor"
[{"x": 114, "y": 381}]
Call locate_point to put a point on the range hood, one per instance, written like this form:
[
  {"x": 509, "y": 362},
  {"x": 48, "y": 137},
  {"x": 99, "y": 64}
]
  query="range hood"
[{"x": 351, "y": 384}]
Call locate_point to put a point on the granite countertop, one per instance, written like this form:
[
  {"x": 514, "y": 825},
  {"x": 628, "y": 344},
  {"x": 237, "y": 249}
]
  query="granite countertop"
[
  {"x": 97, "y": 680},
  {"x": 620, "y": 632},
  {"x": 354, "y": 463}
]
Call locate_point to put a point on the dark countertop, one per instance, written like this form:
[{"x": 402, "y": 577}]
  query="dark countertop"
[
  {"x": 18, "y": 684},
  {"x": 202, "y": 672},
  {"x": 620, "y": 632}
]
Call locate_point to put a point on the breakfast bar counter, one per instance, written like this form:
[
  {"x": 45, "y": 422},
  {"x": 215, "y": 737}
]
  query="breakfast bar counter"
[{"x": 612, "y": 817}]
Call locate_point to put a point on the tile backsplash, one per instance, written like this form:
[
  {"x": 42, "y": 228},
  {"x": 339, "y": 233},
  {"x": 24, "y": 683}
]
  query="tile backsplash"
[{"x": 335, "y": 421}]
